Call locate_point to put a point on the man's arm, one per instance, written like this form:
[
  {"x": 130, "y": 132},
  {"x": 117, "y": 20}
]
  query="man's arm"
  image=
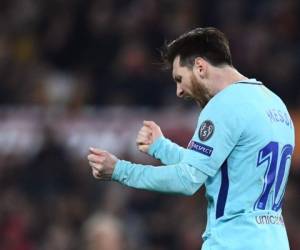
[
  {"x": 180, "y": 178},
  {"x": 150, "y": 140},
  {"x": 166, "y": 151}
]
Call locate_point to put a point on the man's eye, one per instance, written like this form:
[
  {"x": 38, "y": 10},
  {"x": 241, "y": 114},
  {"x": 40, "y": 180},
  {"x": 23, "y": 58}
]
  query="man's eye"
[{"x": 178, "y": 79}]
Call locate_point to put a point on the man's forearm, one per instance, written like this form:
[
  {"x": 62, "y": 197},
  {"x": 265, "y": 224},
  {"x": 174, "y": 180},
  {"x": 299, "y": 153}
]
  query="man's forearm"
[
  {"x": 179, "y": 178},
  {"x": 166, "y": 151}
]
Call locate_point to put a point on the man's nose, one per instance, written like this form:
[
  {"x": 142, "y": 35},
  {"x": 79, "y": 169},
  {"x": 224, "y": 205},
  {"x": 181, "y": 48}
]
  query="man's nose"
[{"x": 179, "y": 91}]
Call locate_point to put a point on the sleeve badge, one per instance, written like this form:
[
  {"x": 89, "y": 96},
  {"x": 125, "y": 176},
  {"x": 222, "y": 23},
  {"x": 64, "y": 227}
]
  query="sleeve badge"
[{"x": 206, "y": 130}]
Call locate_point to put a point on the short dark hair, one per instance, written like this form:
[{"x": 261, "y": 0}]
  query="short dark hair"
[{"x": 209, "y": 43}]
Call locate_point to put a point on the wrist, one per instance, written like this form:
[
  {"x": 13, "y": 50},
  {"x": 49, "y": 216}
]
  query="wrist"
[
  {"x": 119, "y": 171},
  {"x": 155, "y": 145},
  {"x": 115, "y": 171}
]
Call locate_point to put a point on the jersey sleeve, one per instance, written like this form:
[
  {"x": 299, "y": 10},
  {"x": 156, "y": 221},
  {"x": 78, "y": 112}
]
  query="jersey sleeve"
[
  {"x": 166, "y": 151},
  {"x": 180, "y": 178},
  {"x": 219, "y": 128}
]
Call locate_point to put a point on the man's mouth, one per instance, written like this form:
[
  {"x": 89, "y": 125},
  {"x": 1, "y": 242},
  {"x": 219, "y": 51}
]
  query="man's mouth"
[{"x": 187, "y": 97}]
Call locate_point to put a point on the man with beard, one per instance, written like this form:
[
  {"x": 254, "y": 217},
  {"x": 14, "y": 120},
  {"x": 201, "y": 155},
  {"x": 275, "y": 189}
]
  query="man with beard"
[{"x": 241, "y": 149}]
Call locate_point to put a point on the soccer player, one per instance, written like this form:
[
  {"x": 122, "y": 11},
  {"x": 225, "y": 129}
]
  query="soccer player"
[{"x": 241, "y": 149}]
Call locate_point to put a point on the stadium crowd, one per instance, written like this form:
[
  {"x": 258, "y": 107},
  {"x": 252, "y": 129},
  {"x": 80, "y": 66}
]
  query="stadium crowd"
[{"x": 63, "y": 57}]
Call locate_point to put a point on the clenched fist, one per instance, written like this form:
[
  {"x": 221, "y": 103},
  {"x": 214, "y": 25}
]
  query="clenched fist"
[
  {"x": 102, "y": 163},
  {"x": 147, "y": 135}
]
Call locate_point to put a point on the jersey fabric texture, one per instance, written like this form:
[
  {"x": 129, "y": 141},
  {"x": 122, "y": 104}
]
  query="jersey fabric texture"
[{"x": 241, "y": 151}]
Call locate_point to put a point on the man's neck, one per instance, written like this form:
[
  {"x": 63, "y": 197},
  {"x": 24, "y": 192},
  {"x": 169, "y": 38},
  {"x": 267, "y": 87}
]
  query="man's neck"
[{"x": 223, "y": 77}]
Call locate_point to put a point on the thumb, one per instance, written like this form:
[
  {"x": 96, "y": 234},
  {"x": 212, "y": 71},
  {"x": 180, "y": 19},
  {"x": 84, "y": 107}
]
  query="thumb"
[
  {"x": 96, "y": 151},
  {"x": 155, "y": 129},
  {"x": 149, "y": 124},
  {"x": 143, "y": 148}
]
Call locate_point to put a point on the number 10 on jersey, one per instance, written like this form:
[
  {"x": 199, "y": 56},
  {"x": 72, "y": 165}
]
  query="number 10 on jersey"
[{"x": 274, "y": 178}]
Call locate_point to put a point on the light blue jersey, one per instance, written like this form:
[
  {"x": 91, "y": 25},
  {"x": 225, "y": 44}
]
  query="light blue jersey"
[{"x": 241, "y": 151}]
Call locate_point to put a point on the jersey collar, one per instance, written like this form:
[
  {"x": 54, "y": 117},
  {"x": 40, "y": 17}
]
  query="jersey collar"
[{"x": 250, "y": 81}]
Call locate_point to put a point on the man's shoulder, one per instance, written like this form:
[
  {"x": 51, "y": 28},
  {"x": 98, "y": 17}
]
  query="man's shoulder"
[
  {"x": 230, "y": 98},
  {"x": 242, "y": 96},
  {"x": 237, "y": 103}
]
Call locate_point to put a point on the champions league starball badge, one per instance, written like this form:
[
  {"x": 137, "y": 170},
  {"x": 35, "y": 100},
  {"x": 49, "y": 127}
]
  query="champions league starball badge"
[{"x": 206, "y": 130}]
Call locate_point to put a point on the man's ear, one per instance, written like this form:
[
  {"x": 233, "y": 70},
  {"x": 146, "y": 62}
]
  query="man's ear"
[{"x": 200, "y": 67}]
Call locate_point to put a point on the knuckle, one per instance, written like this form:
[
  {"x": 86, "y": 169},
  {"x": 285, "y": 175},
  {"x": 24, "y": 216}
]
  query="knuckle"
[
  {"x": 147, "y": 130},
  {"x": 143, "y": 135},
  {"x": 95, "y": 173}
]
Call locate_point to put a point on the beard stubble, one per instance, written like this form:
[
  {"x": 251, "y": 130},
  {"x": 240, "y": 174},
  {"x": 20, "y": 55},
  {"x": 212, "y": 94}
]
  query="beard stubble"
[{"x": 200, "y": 93}]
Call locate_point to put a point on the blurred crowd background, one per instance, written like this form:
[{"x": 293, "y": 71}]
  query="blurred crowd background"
[{"x": 76, "y": 73}]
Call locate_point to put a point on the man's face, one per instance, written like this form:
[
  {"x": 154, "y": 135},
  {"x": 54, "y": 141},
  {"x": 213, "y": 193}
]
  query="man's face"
[{"x": 189, "y": 86}]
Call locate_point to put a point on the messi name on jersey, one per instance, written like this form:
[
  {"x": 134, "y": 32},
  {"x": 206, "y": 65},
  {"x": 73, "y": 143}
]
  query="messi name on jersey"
[
  {"x": 279, "y": 116},
  {"x": 201, "y": 148}
]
